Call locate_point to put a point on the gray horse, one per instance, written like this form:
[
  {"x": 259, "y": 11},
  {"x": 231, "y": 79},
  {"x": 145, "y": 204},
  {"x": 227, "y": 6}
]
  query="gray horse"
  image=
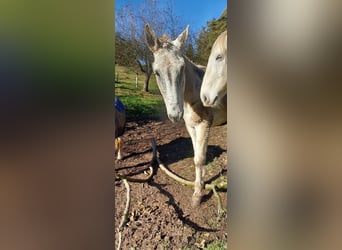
[{"x": 179, "y": 81}]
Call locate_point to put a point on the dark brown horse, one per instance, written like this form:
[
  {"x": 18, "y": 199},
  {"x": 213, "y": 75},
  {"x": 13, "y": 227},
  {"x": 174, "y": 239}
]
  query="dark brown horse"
[{"x": 119, "y": 124}]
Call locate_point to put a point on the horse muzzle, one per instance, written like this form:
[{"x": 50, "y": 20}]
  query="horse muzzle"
[
  {"x": 209, "y": 101},
  {"x": 175, "y": 117}
]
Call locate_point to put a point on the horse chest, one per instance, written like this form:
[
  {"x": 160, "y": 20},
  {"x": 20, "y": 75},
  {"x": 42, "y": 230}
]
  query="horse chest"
[{"x": 196, "y": 114}]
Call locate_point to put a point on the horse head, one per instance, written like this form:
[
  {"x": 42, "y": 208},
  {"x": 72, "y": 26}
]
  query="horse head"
[
  {"x": 168, "y": 67},
  {"x": 214, "y": 85}
]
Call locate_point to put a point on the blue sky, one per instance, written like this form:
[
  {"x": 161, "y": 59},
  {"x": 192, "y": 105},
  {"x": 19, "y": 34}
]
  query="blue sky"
[{"x": 196, "y": 13}]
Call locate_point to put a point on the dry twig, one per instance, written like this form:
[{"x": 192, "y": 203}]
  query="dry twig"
[
  {"x": 220, "y": 183},
  {"x": 125, "y": 214},
  {"x": 126, "y": 181}
]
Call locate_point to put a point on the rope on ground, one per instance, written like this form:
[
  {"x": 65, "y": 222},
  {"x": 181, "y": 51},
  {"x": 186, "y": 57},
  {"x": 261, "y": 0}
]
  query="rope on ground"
[
  {"x": 125, "y": 214},
  {"x": 220, "y": 183},
  {"x": 126, "y": 181},
  {"x": 130, "y": 179}
]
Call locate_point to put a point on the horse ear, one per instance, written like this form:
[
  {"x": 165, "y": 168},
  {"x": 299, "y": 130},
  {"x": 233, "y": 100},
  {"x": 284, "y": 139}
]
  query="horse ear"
[
  {"x": 151, "y": 39},
  {"x": 181, "y": 39}
]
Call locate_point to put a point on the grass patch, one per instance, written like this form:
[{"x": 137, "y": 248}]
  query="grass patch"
[
  {"x": 218, "y": 245},
  {"x": 138, "y": 104}
]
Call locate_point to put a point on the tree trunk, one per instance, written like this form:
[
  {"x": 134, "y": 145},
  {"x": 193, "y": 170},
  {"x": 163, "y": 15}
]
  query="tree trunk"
[
  {"x": 147, "y": 72},
  {"x": 147, "y": 80}
]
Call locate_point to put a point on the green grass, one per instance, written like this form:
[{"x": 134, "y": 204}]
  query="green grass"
[
  {"x": 218, "y": 245},
  {"x": 138, "y": 104}
]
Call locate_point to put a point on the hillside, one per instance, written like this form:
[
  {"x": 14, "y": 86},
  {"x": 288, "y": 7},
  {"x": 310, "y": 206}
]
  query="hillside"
[{"x": 139, "y": 104}]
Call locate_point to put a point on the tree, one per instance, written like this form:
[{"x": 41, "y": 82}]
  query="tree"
[
  {"x": 190, "y": 52},
  {"x": 129, "y": 23},
  {"x": 124, "y": 51},
  {"x": 208, "y": 36}
]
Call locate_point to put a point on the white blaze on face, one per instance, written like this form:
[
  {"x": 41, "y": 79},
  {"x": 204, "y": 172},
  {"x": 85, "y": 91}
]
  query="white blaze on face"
[
  {"x": 169, "y": 67},
  {"x": 169, "y": 71},
  {"x": 214, "y": 85}
]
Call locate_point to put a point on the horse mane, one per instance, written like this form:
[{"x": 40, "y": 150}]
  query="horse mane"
[
  {"x": 199, "y": 69},
  {"x": 164, "y": 38},
  {"x": 167, "y": 43}
]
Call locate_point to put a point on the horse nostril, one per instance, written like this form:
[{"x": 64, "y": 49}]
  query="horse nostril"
[
  {"x": 204, "y": 98},
  {"x": 215, "y": 99}
]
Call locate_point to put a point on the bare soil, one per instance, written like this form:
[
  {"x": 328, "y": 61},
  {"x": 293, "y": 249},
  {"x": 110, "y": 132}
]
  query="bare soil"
[{"x": 161, "y": 216}]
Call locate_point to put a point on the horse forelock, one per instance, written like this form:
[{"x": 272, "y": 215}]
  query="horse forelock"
[
  {"x": 221, "y": 41},
  {"x": 165, "y": 42},
  {"x": 164, "y": 38}
]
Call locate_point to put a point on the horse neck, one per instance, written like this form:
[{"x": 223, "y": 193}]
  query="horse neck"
[{"x": 193, "y": 81}]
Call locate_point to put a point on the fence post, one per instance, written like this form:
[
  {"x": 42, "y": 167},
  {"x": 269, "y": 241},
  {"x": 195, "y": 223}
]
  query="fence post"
[{"x": 136, "y": 80}]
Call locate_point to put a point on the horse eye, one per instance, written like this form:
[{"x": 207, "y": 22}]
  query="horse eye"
[
  {"x": 219, "y": 57},
  {"x": 156, "y": 73}
]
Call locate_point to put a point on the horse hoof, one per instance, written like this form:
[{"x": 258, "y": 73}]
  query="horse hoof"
[
  {"x": 119, "y": 157},
  {"x": 196, "y": 200}
]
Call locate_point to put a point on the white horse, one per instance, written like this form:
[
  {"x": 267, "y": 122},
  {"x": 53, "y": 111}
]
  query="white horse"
[
  {"x": 214, "y": 85},
  {"x": 179, "y": 81}
]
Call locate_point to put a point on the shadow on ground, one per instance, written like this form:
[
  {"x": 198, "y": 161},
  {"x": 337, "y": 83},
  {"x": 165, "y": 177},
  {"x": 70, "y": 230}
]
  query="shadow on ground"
[{"x": 181, "y": 148}]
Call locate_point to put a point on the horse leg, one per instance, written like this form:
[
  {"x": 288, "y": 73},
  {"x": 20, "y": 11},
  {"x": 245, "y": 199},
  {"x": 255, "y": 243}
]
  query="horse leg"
[
  {"x": 196, "y": 197},
  {"x": 118, "y": 147},
  {"x": 200, "y": 143}
]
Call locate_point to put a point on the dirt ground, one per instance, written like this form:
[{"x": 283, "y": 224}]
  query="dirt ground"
[{"x": 161, "y": 216}]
